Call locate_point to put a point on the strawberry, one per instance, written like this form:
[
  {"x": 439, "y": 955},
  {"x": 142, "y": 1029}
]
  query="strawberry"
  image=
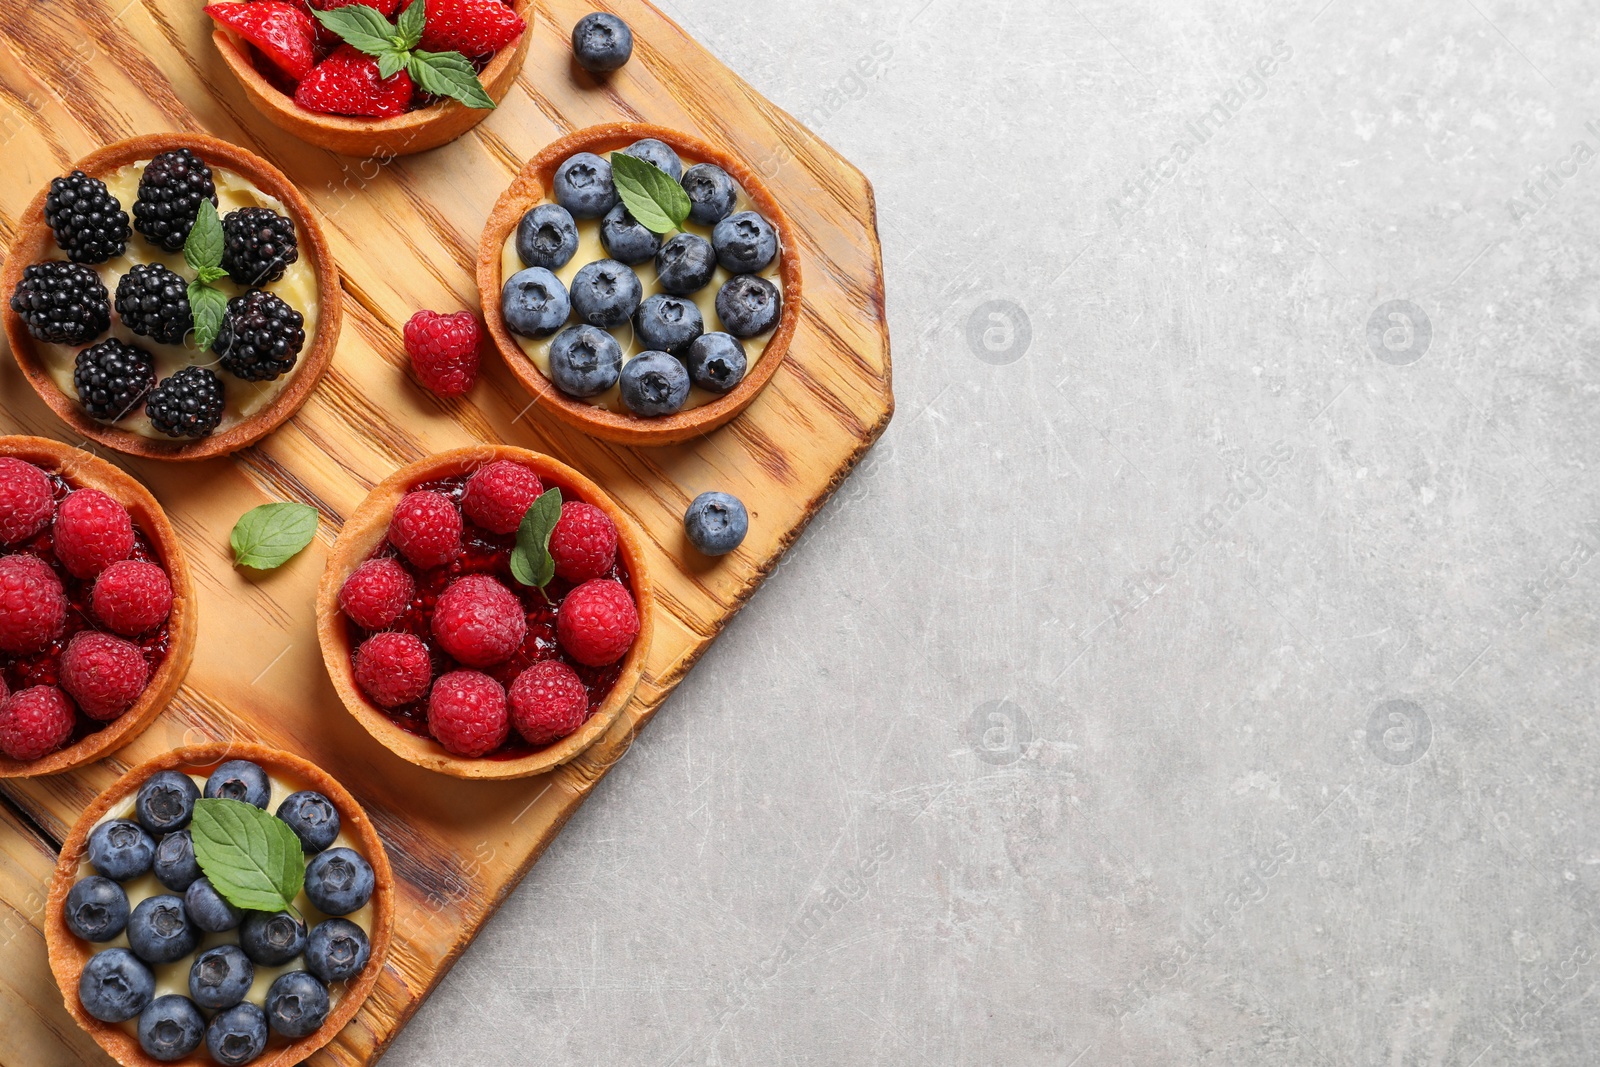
[
  {"x": 474, "y": 28},
  {"x": 282, "y": 31},
  {"x": 386, "y": 8},
  {"x": 347, "y": 83}
]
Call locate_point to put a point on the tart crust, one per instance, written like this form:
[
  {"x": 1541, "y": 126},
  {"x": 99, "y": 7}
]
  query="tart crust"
[
  {"x": 68, "y": 955},
  {"x": 35, "y": 242},
  {"x": 366, "y": 529},
  {"x": 82, "y": 470},
  {"x": 533, "y": 186},
  {"x": 383, "y": 139}
]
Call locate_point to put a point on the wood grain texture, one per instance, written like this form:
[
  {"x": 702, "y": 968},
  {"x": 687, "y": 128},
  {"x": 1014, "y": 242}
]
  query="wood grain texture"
[{"x": 75, "y": 74}]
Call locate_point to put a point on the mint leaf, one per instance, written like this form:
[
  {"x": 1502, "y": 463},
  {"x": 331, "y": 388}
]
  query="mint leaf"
[
  {"x": 207, "y": 275},
  {"x": 392, "y": 62},
  {"x": 209, "y": 306},
  {"x": 413, "y": 20},
  {"x": 531, "y": 562},
  {"x": 658, "y": 203},
  {"x": 269, "y": 536},
  {"x": 203, "y": 249},
  {"x": 252, "y": 858},
  {"x": 449, "y": 74},
  {"x": 363, "y": 27}
]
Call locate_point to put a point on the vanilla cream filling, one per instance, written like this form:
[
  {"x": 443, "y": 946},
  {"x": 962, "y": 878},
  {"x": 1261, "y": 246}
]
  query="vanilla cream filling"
[{"x": 298, "y": 288}]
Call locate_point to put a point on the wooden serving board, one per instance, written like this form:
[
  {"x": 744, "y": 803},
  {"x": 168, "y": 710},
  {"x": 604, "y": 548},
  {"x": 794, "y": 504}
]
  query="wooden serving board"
[{"x": 75, "y": 74}]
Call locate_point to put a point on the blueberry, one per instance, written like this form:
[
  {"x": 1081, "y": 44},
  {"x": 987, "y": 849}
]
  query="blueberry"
[
  {"x": 602, "y": 43},
  {"x": 584, "y": 187},
  {"x": 547, "y": 237},
  {"x": 716, "y": 362},
  {"x": 534, "y": 303},
  {"x": 221, "y": 977},
  {"x": 749, "y": 305},
  {"x": 686, "y": 264},
  {"x": 337, "y": 950},
  {"x": 238, "y": 1035},
  {"x": 297, "y": 1004},
  {"x": 271, "y": 938},
  {"x": 606, "y": 293},
  {"x": 339, "y": 881},
  {"x": 716, "y": 523},
  {"x": 654, "y": 384},
  {"x": 585, "y": 361},
  {"x": 208, "y": 910},
  {"x": 240, "y": 779},
  {"x": 171, "y": 1028},
  {"x": 668, "y": 323},
  {"x": 115, "y": 986},
  {"x": 627, "y": 240},
  {"x": 166, "y": 802},
  {"x": 745, "y": 243},
  {"x": 97, "y": 909},
  {"x": 658, "y": 152},
  {"x": 159, "y": 930},
  {"x": 712, "y": 194},
  {"x": 120, "y": 849},
  {"x": 312, "y": 817},
  {"x": 175, "y": 866}
]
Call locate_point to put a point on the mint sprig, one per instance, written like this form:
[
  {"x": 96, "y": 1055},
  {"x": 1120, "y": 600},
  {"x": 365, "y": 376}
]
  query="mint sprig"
[
  {"x": 252, "y": 858},
  {"x": 394, "y": 46},
  {"x": 531, "y": 562},
  {"x": 656, "y": 202},
  {"x": 203, "y": 252},
  {"x": 269, "y": 536}
]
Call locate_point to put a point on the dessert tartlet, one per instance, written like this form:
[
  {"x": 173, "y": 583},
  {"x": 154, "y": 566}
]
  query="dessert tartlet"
[
  {"x": 441, "y": 648},
  {"x": 99, "y": 286},
  {"x": 575, "y": 289},
  {"x": 97, "y": 621},
  {"x": 158, "y": 964}
]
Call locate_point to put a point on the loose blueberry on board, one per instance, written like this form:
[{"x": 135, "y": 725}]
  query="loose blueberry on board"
[
  {"x": 166, "y": 802},
  {"x": 658, "y": 153},
  {"x": 745, "y": 243},
  {"x": 749, "y": 305},
  {"x": 297, "y": 1004},
  {"x": 606, "y": 293},
  {"x": 534, "y": 303},
  {"x": 339, "y": 881},
  {"x": 686, "y": 264},
  {"x": 668, "y": 323},
  {"x": 627, "y": 240},
  {"x": 272, "y": 938},
  {"x": 120, "y": 849},
  {"x": 654, "y": 384},
  {"x": 585, "y": 361},
  {"x": 712, "y": 193},
  {"x": 239, "y": 779},
  {"x": 208, "y": 910},
  {"x": 312, "y": 817},
  {"x": 716, "y": 523},
  {"x": 583, "y": 186},
  {"x": 547, "y": 237},
  {"x": 159, "y": 930},
  {"x": 601, "y": 43},
  {"x": 716, "y": 362},
  {"x": 238, "y": 1035},
  {"x": 171, "y": 1028},
  {"x": 115, "y": 986},
  {"x": 97, "y": 909},
  {"x": 175, "y": 866},
  {"x": 337, "y": 950},
  {"x": 221, "y": 977}
]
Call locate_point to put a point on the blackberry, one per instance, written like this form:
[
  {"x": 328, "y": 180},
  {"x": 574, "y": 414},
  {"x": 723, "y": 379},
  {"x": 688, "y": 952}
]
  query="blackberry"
[
  {"x": 113, "y": 378},
  {"x": 188, "y": 404},
  {"x": 258, "y": 245},
  {"x": 62, "y": 303},
  {"x": 170, "y": 192},
  {"x": 89, "y": 223},
  {"x": 153, "y": 302},
  {"x": 261, "y": 337}
]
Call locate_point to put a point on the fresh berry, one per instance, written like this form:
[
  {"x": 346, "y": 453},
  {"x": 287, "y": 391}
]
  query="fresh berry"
[
  {"x": 444, "y": 350},
  {"x": 583, "y": 543},
  {"x": 33, "y": 606},
  {"x": 258, "y": 245},
  {"x": 312, "y": 817},
  {"x": 745, "y": 243},
  {"x": 426, "y": 529},
  {"x": 583, "y": 185},
  {"x": 35, "y": 722},
  {"x": 654, "y": 384},
  {"x": 716, "y": 523},
  {"x": 626, "y": 239},
  {"x": 467, "y": 713},
  {"x": 93, "y": 531},
  {"x": 238, "y": 1035},
  {"x": 376, "y": 594},
  {"x": 667, "y": 323},
  {"x": 62, "y": 303},
  {"x": 686, "y": 264},
  {"x": 499, "y": 494},
  {"x": 479, "y": 621},
  {"x": 209, "y": 910},
  {"x": 165, "y": 802},
  {"x": 221, "y": 977},
  {"x": 115, "y": 986},
  {"x": 547, "y": 237},
  {"x": 171, "y": 1028},
  {"x": 606, "y": 293},
  {"x": 153, "y": 302},
  {"x": 242, "y": 780},
  {"x": 273, "y": 938},
  {"x": 748, "y": 305},
  {"x": 386, "y": 8},
  {"x": 97, "y": 908},
  {"x": 297, "y": 1004},
  {"x": 89, "y": 224},
  {"x": 261, "y": 337},
  {"x": 283, "y": 32},
  {"x": 534, "y": 303},
  {"x": 339, "y": 882},
  {"x": 601, "y": 42},
  {"x": 113, "y": 379},
  {"x": 659, "y": 154},
  {"x": 716, "y": 362},
  {"x": 159, "y": 930},
  {"x": 347, "y": 83},
  {"x": 337, "y": 950},
  {"x": 175, "y": 865},
  {"x": 585, "y": 361},
  {"x": 120, "y": 849},
  {"x": 170, "y": 191},
  {"x": 26, "y": 502},
  {"x": 475, "y": 28},
  {"x": 132, "y": 597},
  {"x": 548, "y": 702},
  {"x": 104, "y": 674},
  {"x": 190, "y": 403},
  {"x": 712, "y": 193},
  {"x": 393, "y": 669},
  {"x": 597, "y": 623}
]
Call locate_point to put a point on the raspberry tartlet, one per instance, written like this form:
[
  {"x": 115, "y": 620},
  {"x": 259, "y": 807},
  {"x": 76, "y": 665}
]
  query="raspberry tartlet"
[
  {"x": 103, "y": 303},
  {"x": 441, "y": 650},
  {"x": 629, "y": 334},
  {"x": 97, "y": 608},
  {"x": 158, "y": 966}
]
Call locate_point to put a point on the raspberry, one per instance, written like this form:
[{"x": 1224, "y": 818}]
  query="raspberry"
[
  {"x": 584, "y": 542},
  {"x": 548, "y": 702},
  {"x": 33, "y": 607},
  {"x": 479, "y": 621},
  {"x": 104, "y": 674},
  {"x": 597, "y": 623},
  {"x": 444, "y": 351},
  {"x": 467, "y": 713},
  {"x": 500, "y": 494},
  {"x": 93, "y": 531},
  {"x": 376, "y": 594},
  {"x": 35, "y": 722},
  {"x": 426, "y": 528},
  {"x": 26, "y": 502},
  {"x": 393, "y": 669},
  {"x": 132, "y": 597}
]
